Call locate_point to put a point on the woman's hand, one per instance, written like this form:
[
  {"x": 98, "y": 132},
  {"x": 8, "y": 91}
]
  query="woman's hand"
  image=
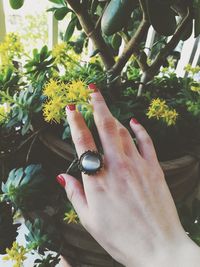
[{"x": 127, "y": 206}]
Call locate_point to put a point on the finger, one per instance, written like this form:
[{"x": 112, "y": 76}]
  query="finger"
[
  {"x": 145, "y": 144},
  {"x": 127, "y": 141},
  {"x": 106, "y": 126},
  {"x": 75, "y": 194},
  {"x": 81, "y": 135}
]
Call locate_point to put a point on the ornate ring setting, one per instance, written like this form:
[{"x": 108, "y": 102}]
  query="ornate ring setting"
[{"x": 90, "y": 162}]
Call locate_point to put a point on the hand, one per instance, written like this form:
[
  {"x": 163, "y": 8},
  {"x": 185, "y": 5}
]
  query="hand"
[{"x": 127, "y": 206}]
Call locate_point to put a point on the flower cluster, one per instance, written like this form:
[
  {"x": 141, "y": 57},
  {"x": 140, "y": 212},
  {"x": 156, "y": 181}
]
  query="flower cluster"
[
  {"x": 17, "y": 254},
  {"x": 160, "y": 110},
  {"x": 10, "y": 49},
  {"x": 60, "y": 94},
  {"x": 71, "y": 217},
  {"x": 195, "y": 87},
  {"x": 4, "y": 111},
  {"x": 65, "y": 55}
]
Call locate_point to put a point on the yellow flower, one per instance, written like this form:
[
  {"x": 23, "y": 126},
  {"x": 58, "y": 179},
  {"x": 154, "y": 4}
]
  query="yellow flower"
[
  {"x": 158, "y": 109},
  {"x": 51, "y": 88},
  {"x": 195, "y": 88},
  {"x": 78, "y": 92},
  {"x": 10, "y": 49},
  {"x": 170, "y": 117},
  {"x": 53, "y": 110},
  {"x": 4, "y": 111},
  {"x": 71, "y": 217},
  {"x": 60, "y": 94},
  {"x": 17, "y": 254},
  {"x": 192, "y": 70},
  {"x": 59, "y": 52}
]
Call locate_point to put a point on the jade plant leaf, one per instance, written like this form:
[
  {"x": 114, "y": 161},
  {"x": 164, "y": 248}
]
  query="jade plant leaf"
[
  {"x": 116, "y": 15},
  {"x": 16, "y": 4},
  {"x": 162, "y": 17}
]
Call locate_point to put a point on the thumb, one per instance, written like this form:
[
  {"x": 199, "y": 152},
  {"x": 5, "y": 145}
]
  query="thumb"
[{"x": 75, "y": 194}]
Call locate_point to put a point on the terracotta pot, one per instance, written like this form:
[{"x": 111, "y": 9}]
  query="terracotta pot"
[
  {"x": 80, "y": 249},
  {"x": 182, "y": 174}
]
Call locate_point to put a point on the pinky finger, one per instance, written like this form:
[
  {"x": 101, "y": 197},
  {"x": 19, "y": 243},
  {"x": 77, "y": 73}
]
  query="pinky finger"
[{"x": 75, "y": 194}]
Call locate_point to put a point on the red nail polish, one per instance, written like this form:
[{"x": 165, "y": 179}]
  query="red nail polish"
[
  {"x": 71, "y": 107},
  {"x": 133, "y": 120},
  {"x": 61, "y": 180},
  {"x": 93, "y": 87}
]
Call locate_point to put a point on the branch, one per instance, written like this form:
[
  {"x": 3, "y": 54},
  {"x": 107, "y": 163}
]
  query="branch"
[
  {"x": 93, "y": 32},
  {"x": 132, "y": 46},
  {"x": 165, "y": 51},
  {"x": 154, "y": 68}
]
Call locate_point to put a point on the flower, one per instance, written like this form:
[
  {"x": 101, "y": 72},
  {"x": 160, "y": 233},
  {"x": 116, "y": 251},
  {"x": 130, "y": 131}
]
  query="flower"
[
  {"x": 195, "y": 87},
  {"x": 170, "y": 117},
  {"x": 4, "y": 111},
  {"x": 59, "y": 52},
  {"x": 10, "y": 49},
  {"x": 17, "y": 254},
  {"x": 51, "y": 88},
  {"x": 65, "y": 55},
  {"x": 78, "y": 92},
  {"x": 71, "y": 217},
  {"x": 158, "y": 109},
  {"x": 60, "y": 94}
]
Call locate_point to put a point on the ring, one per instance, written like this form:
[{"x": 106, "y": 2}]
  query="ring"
[{"x": 90, "y": 162}]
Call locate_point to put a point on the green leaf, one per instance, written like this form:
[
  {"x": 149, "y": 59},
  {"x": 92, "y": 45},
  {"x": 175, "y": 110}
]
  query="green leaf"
[
  {"x": 116, "y": 41},
  {"x": 162, "y": 17},
  {"x": 60, "y": 13},
  {"x": 16, "y": 4},
  {"x": 70, "y": 30}
]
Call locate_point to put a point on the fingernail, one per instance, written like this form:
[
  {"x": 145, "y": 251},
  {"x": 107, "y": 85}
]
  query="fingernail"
[
  {"x": 71, "y": 107},
  {"x": 93, "y": 87},
  {"x": 133, "y": 120},
  {"x": 60, "y": 179}
]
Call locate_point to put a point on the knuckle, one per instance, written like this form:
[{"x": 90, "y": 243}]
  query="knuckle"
[
  {"x": 108, "y": 125},
  {"x": 82, "y": 138},
  {"x": 122, "y": 165},
  {"x": 147, "y": 140},
  {"x": 123, "y": 132}
]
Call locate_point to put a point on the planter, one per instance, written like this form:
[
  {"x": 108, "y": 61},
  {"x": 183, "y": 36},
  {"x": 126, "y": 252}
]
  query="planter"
[
  {"x": 80, "y": 249},
  {"x": 182, "y": 174}
]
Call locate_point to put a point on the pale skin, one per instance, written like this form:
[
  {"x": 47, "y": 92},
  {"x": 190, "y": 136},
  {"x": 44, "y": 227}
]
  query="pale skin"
[{"x": 138, "y": 224}]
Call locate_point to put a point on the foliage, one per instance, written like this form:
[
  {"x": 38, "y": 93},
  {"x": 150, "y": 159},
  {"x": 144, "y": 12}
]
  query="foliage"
[
  {"x": 36, "y": 239},
  {"x": 48, "y": 261},
  {"x": 23, "y": 185},
  {"x": 41, "y": 65},
  {"x": 133, "y": 83}
]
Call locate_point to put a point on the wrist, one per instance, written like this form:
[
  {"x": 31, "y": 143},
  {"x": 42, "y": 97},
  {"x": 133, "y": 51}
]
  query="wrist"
[{"x": 184, "y": 253}]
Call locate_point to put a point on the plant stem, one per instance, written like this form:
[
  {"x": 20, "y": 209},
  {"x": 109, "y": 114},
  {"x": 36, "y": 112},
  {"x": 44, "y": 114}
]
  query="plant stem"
[
  {"x": 93, "y": 32},
  {"x": 164, "y": 52},
  {"x": 132, "y": 46}
]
